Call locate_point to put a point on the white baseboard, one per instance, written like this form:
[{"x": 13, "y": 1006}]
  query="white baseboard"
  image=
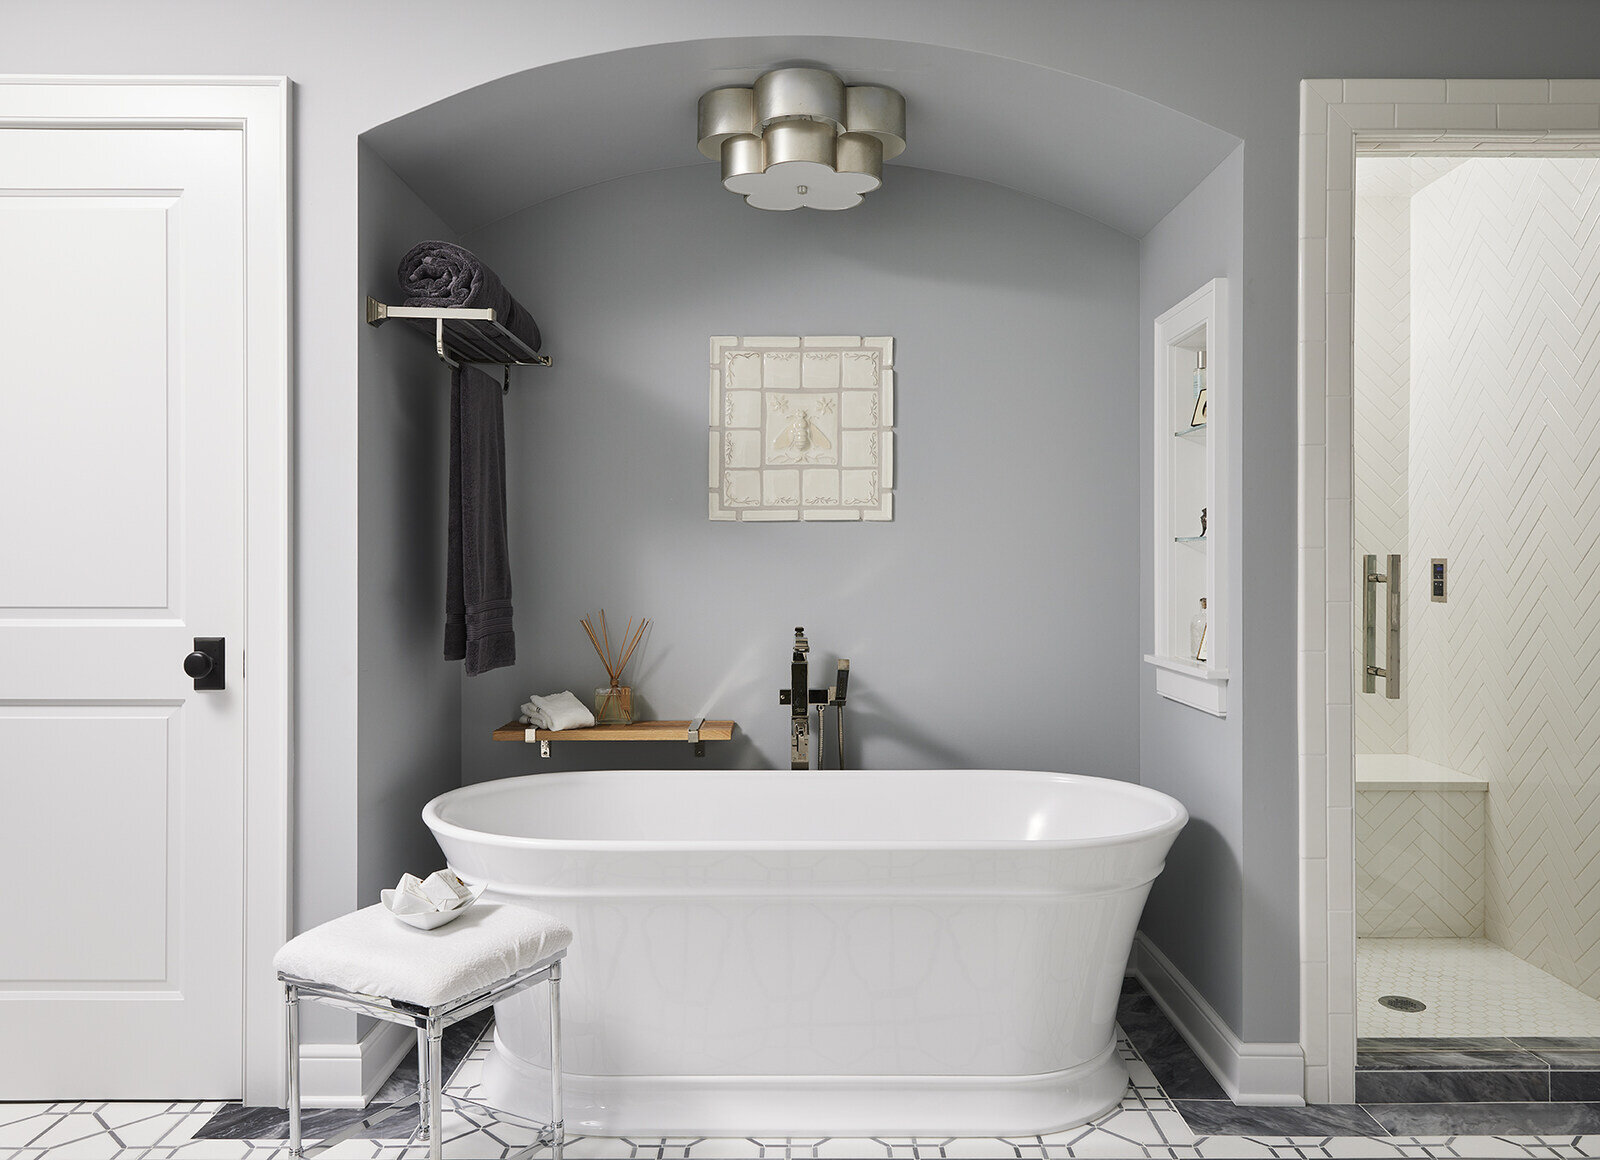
[
  {"x": 348, "y": 1075},
  {"x": 1251, "y": 1073}
]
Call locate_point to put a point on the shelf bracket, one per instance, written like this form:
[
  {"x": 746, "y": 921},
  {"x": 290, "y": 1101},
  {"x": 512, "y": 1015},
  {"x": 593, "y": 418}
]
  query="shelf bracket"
[
  {"x": 694, "y": 736},
  {"x": 438, "y": 344},
  {"x": 544, "y": 748}
]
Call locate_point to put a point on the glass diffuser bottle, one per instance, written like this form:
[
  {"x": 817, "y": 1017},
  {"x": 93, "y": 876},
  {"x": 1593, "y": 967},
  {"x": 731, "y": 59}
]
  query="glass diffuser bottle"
[
  {"x": 613, "y": 703},
  {"x": 1197, "y": 633}
]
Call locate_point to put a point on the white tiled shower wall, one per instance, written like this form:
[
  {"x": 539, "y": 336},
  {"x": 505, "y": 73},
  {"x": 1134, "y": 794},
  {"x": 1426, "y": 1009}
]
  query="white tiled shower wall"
[
  {"x": 1505, "y": 482},
  {"x": 1380, "y": 420},
  {"x": 1477, "y": 298},
  {"x": 1419, "y": 864}
]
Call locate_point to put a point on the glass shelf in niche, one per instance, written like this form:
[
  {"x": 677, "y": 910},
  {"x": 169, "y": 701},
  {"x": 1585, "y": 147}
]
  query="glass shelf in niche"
[
  {"x": 1197, "y": 429},
  {"x": 1198, "y": 541}
]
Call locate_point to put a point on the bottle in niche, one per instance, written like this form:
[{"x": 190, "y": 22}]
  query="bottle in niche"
[
  {"x": 1197, "y": 633},
  {"x": 1199, "y": 372}
]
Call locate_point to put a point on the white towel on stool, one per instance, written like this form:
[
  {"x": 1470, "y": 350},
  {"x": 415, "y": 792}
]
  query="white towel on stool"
[
  {"x": 368, "y": 952},
  {"x": 557, "y": 711}
]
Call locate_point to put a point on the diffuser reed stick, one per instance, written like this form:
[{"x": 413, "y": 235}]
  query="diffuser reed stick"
[{"x": 614, "y": 704}]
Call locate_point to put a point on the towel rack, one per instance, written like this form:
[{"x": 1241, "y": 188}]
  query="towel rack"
[{"x": 464, "y": 335}]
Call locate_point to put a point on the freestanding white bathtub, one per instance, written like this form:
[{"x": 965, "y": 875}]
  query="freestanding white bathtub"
[{"x": 818, "y": 953}]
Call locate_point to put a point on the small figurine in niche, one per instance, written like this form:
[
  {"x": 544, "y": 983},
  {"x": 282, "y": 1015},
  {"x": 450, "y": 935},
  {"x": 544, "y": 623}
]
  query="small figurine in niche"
[
  {"x": 1197, "y": 633},
  {"x": 1202, "y": 521}
]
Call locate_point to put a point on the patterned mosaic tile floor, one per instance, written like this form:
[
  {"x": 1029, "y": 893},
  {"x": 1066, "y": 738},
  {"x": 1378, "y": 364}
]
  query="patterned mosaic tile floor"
[
  {"x": 1472, "y": 988},
  {"x": 1173, "y": 1110}
]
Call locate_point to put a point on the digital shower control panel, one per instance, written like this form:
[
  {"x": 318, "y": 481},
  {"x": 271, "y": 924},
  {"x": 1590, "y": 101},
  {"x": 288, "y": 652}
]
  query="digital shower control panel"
[{"x": 1437, "y": 577}]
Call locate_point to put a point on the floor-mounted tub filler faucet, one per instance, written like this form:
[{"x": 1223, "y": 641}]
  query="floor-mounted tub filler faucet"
[{"x": 799, "y": 696}]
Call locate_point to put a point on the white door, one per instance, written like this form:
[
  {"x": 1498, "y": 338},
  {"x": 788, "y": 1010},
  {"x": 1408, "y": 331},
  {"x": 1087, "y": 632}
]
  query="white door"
[{"x": 121, "y": 540}]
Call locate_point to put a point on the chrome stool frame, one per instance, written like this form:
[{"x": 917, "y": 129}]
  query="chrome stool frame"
[{"x": 430, "y": 1023}]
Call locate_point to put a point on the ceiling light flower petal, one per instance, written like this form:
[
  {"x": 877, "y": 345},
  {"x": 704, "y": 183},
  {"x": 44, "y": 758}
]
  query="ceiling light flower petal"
[{"x": 800, "y": 137}]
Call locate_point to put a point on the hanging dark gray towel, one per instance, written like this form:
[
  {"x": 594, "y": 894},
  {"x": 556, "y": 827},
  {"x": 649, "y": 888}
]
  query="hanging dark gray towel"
[
  {"x": 435, "y": 274},
  {"x": 477, "y": 622}
]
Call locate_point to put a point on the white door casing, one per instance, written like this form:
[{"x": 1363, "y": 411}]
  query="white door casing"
[
  {"x": 144, "y": 501},
  {"x": 1338, "y": 119}
]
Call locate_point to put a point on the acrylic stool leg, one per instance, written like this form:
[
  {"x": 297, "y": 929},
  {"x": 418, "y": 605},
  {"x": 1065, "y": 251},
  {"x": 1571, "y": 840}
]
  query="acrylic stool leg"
[
  {"x": 422, "y": 1083},
  {"x": 291, "y": 1009},
  {"x": 431, "y": 1109},
  {"x": 557, "y": 1126}
]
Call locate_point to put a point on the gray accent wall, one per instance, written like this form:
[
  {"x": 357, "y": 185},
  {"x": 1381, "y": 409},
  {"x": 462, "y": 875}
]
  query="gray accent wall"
[
  {"x": 1196, "y": 911},
  {"x": 408, "y": 705},
  {"x": 992, "y": 624}
]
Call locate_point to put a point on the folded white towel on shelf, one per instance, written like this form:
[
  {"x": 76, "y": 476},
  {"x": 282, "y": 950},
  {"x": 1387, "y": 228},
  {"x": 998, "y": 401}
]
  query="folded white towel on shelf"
[{"x": 556, "y": 711}]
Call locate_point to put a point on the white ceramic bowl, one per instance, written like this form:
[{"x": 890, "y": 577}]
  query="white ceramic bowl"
[{"x": 433, "y": 919}]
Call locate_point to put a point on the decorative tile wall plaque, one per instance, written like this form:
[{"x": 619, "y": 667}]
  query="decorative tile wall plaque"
[{"x": 802, "y": 428}]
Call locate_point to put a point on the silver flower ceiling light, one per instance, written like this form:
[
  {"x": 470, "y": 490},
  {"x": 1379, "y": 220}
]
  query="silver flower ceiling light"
[{"x": 800, "y": 137}]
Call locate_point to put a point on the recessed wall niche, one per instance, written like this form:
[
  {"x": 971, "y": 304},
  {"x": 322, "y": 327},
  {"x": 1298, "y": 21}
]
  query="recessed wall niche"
[{"x": 801, "y": 428}]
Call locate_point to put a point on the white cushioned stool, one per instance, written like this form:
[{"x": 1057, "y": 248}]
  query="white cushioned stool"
[{"x": 371, "y": 963}]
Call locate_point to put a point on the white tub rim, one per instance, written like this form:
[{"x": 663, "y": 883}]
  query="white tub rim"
[{"x": 1178, "y": 817}]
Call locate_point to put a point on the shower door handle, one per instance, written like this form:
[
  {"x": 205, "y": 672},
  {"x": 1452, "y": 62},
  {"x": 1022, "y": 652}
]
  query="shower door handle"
[{"x": 1390, "y": 672}]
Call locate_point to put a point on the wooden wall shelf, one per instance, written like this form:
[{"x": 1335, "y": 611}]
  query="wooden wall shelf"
[{"x": 638, "y": 731}]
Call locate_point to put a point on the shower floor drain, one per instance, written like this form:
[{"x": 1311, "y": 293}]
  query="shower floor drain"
[{"x": 1402, "y": 1003}]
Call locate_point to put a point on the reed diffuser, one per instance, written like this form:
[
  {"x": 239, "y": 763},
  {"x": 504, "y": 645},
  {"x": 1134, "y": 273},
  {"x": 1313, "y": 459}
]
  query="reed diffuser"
[{"x": 613, "y": 704}]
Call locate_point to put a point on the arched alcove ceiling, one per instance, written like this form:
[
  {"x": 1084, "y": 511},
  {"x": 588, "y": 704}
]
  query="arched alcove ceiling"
[{"x": 493, "y": 150}]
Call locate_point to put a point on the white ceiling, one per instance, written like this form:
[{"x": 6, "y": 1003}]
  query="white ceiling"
[{"x": 488, "y": 152}]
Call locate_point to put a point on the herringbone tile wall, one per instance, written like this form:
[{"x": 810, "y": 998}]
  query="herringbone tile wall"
[
  {"x": 1419, "y": 864},
  {"x": 1381, "y": 420},
  {"x": 1504, "y": 480}
]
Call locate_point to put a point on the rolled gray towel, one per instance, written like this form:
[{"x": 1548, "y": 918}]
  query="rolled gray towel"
[{"x": 441, "y": 274}]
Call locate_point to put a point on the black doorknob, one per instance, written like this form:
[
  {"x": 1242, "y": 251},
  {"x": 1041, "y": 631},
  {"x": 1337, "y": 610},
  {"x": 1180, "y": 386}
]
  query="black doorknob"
[{"x": 208, "y": 664}]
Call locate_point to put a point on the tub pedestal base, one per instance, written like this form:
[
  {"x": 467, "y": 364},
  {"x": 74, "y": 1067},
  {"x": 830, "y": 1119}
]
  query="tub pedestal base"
[{"x": 811, "y": 1105}]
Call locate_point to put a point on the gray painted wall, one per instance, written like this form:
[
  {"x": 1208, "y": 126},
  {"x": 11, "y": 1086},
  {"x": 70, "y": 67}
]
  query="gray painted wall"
[
  {"x": 991, "y": 624},
  {"x": 1235, "y": 64},
  {"x": 409, "y": 701},
  {"x": 1196, "y": 910}
]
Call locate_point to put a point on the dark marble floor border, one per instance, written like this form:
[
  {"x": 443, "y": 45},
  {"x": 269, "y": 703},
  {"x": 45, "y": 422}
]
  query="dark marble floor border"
[
  {"x": 1558, "y": 1082},
  {"x": 1518, "y": 1119},
  {"x": 1369, "y": 1043},
  {"x": 1473, "y": 1086},
  {"x": 1480, "y": 1070},
  {"x": 1224, "y": 1118},
  {"x": 1174, "y": 1063}
]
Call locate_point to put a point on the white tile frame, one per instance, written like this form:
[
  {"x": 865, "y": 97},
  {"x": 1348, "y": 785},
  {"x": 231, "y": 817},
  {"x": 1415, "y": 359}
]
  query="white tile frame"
[
  {"x": 846, "y": 350},
  {"x": 1338, "y": 119}
]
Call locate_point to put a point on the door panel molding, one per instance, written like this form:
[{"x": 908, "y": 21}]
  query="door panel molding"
[{"x": 260, "y": 106}]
